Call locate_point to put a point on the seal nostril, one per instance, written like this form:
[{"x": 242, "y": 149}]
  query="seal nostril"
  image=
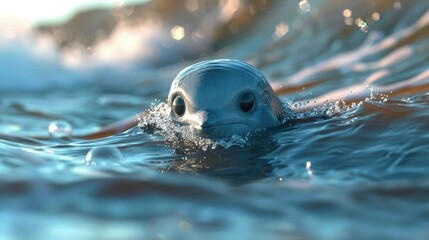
[
  {"x": 247, "y": 102},
  {"x": 179, "y": 106}
]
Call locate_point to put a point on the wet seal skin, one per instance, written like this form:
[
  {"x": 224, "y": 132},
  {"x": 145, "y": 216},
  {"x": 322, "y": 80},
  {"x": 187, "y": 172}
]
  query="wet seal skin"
[{"x": 224, "y": 97}]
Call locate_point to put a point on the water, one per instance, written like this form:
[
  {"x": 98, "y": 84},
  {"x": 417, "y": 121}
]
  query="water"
[{"x": 336, "y": 171}]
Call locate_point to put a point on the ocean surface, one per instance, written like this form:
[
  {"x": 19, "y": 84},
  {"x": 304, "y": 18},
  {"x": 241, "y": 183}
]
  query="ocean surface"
[{"x": 353, "y": 165}]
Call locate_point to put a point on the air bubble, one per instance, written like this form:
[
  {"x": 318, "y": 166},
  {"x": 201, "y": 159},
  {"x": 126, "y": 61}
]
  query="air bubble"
[
  {"x": 104, "y": 155},
  {"x": 60, "y": 129}
]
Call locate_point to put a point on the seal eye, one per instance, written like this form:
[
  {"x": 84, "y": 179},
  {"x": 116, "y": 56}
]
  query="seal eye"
[
  {"x": 247, "y": 102},
  {"x": 179, "y": 106}
]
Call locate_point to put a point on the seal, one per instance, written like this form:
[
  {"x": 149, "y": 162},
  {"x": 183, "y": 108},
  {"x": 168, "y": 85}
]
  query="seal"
[
  {"x": 217, "y": 98},
  {"x": 224, "y": 97}
]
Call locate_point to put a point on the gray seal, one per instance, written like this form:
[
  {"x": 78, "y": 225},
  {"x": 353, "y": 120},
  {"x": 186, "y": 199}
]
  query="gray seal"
[{"x": 224, "y": 97}]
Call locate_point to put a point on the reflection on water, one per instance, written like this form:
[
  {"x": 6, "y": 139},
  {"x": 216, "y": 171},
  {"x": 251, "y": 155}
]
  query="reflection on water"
[{"x": 344, "y": 168}]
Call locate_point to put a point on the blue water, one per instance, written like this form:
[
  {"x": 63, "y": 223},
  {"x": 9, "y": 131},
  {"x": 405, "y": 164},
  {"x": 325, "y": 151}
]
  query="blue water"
[{"x": 334, "y": 171}]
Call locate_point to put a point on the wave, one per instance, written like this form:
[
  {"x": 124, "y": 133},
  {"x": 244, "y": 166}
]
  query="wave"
[{"x": 318, "y": 46}]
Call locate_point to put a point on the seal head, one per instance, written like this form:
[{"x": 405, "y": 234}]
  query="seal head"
[{"x": 221, "y": 98}]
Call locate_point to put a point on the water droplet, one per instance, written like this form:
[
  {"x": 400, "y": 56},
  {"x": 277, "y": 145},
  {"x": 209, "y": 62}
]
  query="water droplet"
[
  {"x": 281, "y": 29},
  {"x": 348, "y": 21},
  {"x": 364, "y": 29},
  {"x": 103, "y": 155},
  {"x": 362, "y": 24},
  {"x": 59, "y": 129},
  {"x": 178, "y": 33},
  {"x": 304, "y": 6},
  {"x": 308, "y": 166},
  {"x": 375, "y": 16},
  {"x": 347, "y": 13},
  {"x": 397, "y": 5},
  {"x": 191, "y": 5}
]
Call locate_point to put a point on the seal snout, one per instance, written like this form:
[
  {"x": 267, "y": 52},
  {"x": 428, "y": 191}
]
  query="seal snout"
[
  {"x": 216, "y": 123},
  {"x": 206, "y": 119}
]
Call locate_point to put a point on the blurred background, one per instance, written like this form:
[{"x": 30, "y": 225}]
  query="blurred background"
[
  {"x": 47, "y": 44},
  {"x": 55, "y": 44}
]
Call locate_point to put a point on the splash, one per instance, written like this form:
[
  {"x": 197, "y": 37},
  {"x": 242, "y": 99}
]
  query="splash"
[{"x": 157, "y": 120}]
